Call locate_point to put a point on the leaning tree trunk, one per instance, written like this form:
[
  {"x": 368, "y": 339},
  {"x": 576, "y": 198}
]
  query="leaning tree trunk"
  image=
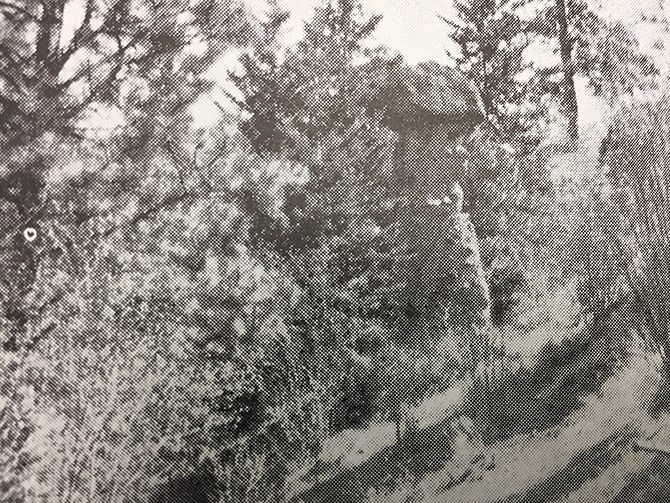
[{"x": 569, "y": 93}]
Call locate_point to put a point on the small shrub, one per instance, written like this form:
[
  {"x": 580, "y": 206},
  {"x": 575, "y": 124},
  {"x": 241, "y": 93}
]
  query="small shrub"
[{"x": 406, "y": 375}]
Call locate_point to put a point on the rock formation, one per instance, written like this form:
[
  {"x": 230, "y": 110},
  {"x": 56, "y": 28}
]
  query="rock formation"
[
  {"x": 444, "y": 271},
  {"x": 432, "y": 108}
]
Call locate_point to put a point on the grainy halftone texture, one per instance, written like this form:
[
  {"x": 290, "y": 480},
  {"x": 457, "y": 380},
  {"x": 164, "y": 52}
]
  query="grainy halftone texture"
[{"x": 283, "y": 279}]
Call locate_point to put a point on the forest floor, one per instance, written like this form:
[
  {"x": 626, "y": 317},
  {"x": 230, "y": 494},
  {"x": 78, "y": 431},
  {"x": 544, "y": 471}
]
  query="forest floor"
[{"x": 583, "y": 422}]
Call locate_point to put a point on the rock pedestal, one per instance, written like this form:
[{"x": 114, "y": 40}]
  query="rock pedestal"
[
  {"x": 444, "y": 277},
  {"x": 432, "y": 108}
]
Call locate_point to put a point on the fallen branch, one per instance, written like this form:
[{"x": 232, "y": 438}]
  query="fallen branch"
[{"x": 646, "y": 445}]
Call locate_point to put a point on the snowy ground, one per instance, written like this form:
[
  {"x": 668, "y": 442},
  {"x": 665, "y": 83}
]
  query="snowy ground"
[{"x": 587, "y": 454}]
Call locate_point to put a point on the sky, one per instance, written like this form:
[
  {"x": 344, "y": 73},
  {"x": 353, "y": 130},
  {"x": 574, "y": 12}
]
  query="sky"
[
  {"x": 410, "y": 27},
  {"x": 414, "y": 27}
]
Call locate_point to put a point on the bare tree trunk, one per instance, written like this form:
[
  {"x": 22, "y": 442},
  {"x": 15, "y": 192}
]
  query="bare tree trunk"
[
  {"x": 347, "y": 8},
  {"x": 569, "y": 93}
]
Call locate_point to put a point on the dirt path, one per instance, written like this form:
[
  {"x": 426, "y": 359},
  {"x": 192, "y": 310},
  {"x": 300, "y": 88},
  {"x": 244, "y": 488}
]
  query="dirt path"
[
  {"x": 354, "y": 460},
  {"x": 587, "y": 456}
]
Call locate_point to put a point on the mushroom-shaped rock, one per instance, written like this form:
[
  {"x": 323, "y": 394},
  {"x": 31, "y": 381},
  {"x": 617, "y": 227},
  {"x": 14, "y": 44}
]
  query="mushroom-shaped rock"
[
  {"x": 413, "y": 96},
  {"x": 433, "y": 93},
  {"x": 431, "y": 107}
]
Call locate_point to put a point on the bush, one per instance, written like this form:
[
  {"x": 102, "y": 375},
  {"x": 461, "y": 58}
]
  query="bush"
[
  {"x": 135, "y": 391},
  {"x": 505, "y": 277},
  {"x": 407, "y": 374},
  {"x": 634, "y": 158}
]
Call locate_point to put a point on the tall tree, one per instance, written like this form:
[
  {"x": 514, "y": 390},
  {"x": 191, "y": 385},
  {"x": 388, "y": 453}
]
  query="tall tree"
[
  {"x": 310, "y": 109},
  {"x": 58, "y": 82},
  {"x": 493, "y": 37},
  {"x": 335, "y": 231},
  {"x": 569, "y": 95},
  {"x": 492, "y": 40}
]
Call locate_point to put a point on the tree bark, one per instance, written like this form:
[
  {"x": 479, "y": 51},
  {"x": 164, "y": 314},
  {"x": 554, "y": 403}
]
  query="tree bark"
[{"x": 569, "y": 93}]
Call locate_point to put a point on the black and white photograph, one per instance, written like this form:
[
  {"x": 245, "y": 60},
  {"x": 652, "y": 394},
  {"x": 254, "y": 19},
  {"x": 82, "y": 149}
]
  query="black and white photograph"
[{"x": 334, "y": 251}]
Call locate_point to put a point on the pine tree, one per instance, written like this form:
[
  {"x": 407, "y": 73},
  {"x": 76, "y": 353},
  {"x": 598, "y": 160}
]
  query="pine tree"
[
  {"x": 493, "y": 38},
  {"x": 311, "y": 109},
  {"x": 569, "y": 94},
  {"x": 335, "y": 231}
]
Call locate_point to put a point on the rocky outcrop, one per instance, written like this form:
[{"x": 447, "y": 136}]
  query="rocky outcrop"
[
  {"x": 432, "y": 108},
  {"x": 444, "y": 274}
]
